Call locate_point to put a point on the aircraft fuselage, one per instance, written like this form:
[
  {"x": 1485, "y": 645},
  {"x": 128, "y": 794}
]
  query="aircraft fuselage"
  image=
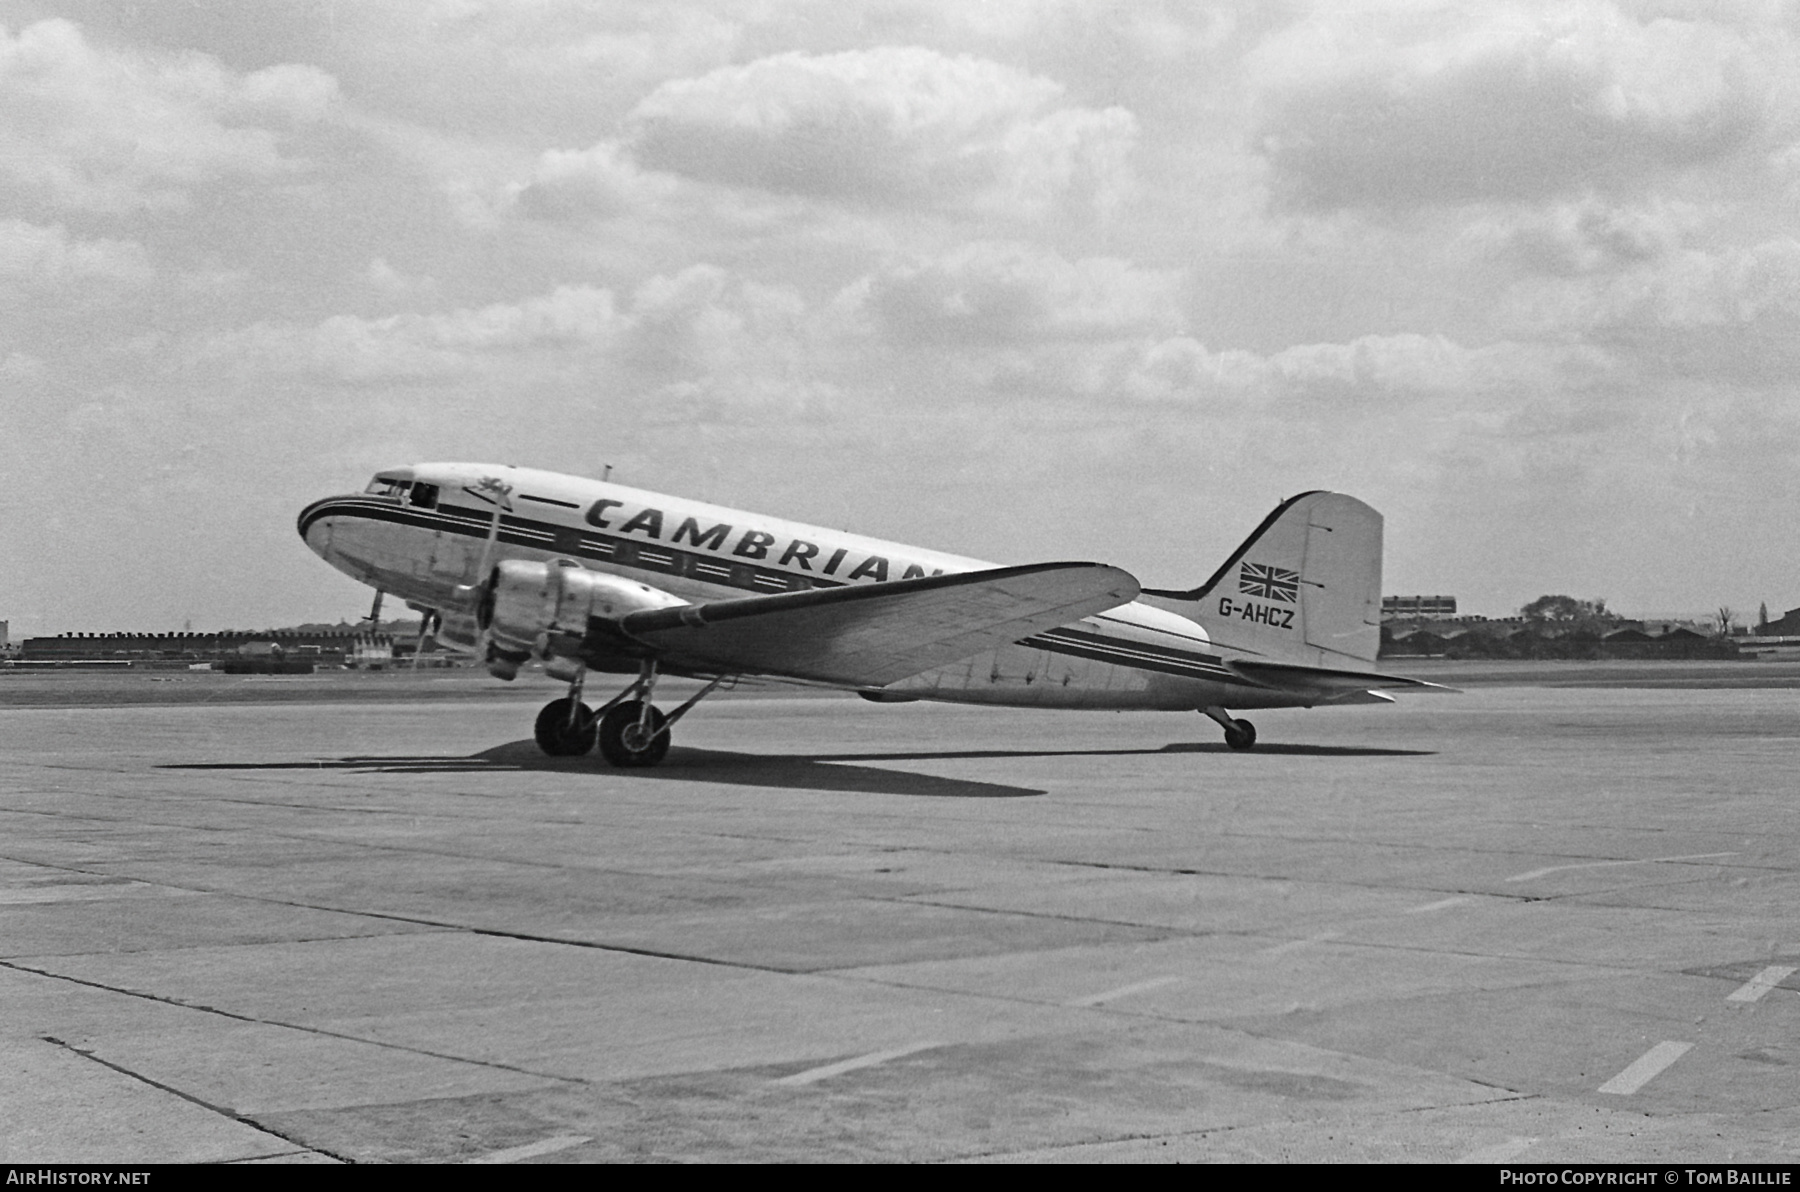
[{"x": 423, "y": 534}]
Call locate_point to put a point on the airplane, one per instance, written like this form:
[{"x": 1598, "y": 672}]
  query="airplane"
[{"x": 580, "y": 576}]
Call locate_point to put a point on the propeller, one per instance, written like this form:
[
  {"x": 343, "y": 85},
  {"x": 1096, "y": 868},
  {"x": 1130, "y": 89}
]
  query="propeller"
[{"x": 427, "y": 625}]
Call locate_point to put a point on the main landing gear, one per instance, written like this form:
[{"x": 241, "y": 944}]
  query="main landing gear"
[
  {"x": 1239, "y": 734},
  {"x": 630, "y": 730}
]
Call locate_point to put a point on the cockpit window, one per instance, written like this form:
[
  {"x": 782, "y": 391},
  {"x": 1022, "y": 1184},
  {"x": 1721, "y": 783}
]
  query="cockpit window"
[
  {"x": 388, "y": 486},
  {"x": 424, "y": 495}
]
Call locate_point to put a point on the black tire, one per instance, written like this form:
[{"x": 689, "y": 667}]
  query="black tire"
[
  {"x": 1242, "y": 736},
  {"x": 556, "y": 737},
  {"x": 619, "y": 736}
]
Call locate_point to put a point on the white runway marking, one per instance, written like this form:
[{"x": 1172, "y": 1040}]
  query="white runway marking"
[
  {"x": 1296, "y": 945},
  {"x": 1753, "y": 989},
  {"x": 1440, "y": 904},
  {"x": 1535, "y": 873},
  {"x": 1645, "y": 1067},
  {"x": 1100, "y": 999},
  {"x": 862, "y": 1061},
  {"x": 1500, "y": 1152},
  {"x": 548, "y": 1146}
]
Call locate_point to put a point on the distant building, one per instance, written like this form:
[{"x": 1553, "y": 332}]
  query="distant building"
[
  {"x": 1787, "y": 626},
  {"x": 329, "y": 646},
  {"x": 373, "y": 651},
  {"x": 1412, "y": 608}
]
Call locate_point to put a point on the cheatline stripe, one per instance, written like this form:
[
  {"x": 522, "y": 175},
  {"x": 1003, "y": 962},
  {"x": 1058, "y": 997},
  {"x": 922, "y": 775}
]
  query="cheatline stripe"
[
  {"x": 474, "y": 523},
  {"x": 515, "y": 531},
  {"x": 1180, "y": 637},
  {"x": 1134, "y": 663},
  {"x": 1133, "y": 654},
  {"x": 1100, "y": 641},
  {"x": 1079, "y": 633}
]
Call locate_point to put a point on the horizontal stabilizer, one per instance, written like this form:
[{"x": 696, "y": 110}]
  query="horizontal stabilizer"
[
  {"x": 872, "y": 634},
  {"x": 1323, "y": 682}
]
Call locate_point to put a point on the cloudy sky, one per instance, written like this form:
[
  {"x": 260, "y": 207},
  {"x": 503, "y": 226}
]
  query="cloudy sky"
[{"x": 1019, "y": 279}]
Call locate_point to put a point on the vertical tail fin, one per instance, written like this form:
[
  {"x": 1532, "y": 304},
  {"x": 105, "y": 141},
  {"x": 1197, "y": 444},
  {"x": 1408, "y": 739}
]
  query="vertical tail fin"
[{"x": 1305, "y": 588}]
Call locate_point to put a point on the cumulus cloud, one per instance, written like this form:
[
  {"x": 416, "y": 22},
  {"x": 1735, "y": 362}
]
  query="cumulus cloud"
[
  {"x": 1400, "y": 108},
  {"x": 1365, "y": 374},
  {"x": 1691, "y": 288},
  {"x": 1726, "y": 314},
  {"x": 695, "y": 324},
  {"x": 412, "y": 346},
  {"x": 577, "y": 185},
  {"x": 99, "y": 129},
  {"x": 507, "y": 66},
  {"x": 49, "y": 257},
  {"x": 1005, "y": 294},
  {"x": 891, "y": 126},
  {"x": 21, "y": 366},
  {"x": 1586, "y": 236}
]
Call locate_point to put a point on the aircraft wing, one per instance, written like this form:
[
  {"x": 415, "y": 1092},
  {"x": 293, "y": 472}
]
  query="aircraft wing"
[
  {"x": 868, "y": 635},
  {"x": 1325, "y": 683}
]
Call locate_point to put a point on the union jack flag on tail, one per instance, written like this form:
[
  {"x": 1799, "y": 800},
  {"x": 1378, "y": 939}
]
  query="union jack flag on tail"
[{"x": 1270, "y": 583}]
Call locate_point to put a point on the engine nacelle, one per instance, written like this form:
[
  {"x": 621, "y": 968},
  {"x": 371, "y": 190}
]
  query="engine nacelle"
[{"x": 541, "y": 610}]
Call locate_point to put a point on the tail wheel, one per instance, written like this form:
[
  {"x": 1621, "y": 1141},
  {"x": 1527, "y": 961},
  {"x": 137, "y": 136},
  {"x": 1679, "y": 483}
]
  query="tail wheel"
[
  {"x": 1241, "y": 734},
  {"x": 625, "y": 740},
  {"x": 560, "y": 736}
]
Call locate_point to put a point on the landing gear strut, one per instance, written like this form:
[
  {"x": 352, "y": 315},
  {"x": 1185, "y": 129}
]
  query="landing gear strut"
[
  {"x": 630, "y": 730},
  {"x": 1239, "y": 734}
]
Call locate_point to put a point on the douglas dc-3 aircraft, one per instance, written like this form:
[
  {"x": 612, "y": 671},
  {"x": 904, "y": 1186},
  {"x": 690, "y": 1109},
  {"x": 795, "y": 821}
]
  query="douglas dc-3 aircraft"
[{"x": 518, "y": 565}]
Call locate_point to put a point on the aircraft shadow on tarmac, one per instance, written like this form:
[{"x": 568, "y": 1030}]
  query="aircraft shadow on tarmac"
[{"x": 821, "y": 772}]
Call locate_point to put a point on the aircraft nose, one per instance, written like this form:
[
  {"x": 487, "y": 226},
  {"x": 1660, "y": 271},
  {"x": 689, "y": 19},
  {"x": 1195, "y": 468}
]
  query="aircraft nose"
[{"x": 314, "y": 525}]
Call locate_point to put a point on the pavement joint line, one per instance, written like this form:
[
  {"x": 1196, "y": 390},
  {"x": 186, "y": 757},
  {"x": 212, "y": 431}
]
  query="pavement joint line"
[
  {"x": 1279, "y": 879},
  {"x": 289, "y": 1026},
  {"x": 598, "y": 946},
  {"x": 318, "y": 840},
  {"x": 1222, "y": 1129},
  {"x": 932, "y": 900},
  {"x": 1296, "y": 945},
  {"x": 1100, "y": 999},
  {"x": 1171, "y": 932},
  {"x": 1753, "y": 989},
  {"x": 461, "y": 927},
  {"x": 221, "y": 1110},
  {"x": 1549, "y": 869},
  {"x": 1645, "y": 1068},
  {"x": 547, "y": 1146},
  {"x": 827, "y": 1071}
]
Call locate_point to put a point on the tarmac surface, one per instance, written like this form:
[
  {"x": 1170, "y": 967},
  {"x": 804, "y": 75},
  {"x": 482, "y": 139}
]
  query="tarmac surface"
[{"x": 1551, "y": 919}]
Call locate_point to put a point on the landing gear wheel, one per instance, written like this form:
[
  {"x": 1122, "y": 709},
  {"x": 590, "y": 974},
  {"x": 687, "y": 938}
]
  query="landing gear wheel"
[
  {"x": 1241, "y": 734},
  {"x": 557, "y": 737},
  {"x": 625, "y": 742}
]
